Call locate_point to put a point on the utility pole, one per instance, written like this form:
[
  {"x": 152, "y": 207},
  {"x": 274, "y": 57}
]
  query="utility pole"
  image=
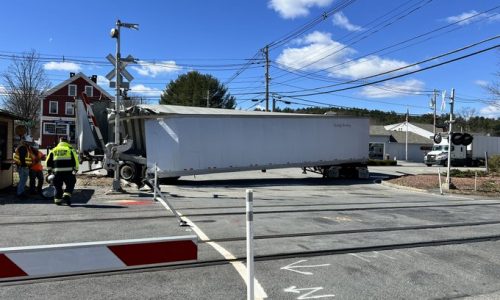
[
  {"x": 406, "y": 135},
  {"x": 434, "y": 106},
  {"x": 452, "y": 102},
  {"x": 119, "y": 71},
  {"x": 116, "y": 180},
  {"x": 266, "y": 53}
]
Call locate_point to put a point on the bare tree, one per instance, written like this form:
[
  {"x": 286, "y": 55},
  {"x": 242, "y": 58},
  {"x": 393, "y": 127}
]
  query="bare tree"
[
  {"x": 467, "y": 113},
  {"x": 494, "y": 88},
  {"x": 25, "y": 82}
]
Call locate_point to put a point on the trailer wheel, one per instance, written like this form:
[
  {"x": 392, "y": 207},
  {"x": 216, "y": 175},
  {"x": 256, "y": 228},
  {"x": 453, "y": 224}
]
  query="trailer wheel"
[{"x": 127, "y": 171}]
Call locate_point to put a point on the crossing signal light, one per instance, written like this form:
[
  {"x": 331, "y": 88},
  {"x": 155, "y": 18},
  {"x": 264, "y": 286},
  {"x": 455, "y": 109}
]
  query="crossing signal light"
[{"x": 459, "y": 138}]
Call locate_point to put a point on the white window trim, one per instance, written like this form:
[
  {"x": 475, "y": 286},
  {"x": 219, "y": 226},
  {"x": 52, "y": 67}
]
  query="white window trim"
[
  {"x": 57, "y": 108},
  {"x": 45, "y": 132},
  {"x": 69, "y": 90},
  {"x": 66, "y": 109},
  {"x": 91, "y": 89}
]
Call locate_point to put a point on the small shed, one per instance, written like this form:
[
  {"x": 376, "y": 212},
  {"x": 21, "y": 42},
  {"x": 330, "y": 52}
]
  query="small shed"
[{"x": 6, "y": 148}]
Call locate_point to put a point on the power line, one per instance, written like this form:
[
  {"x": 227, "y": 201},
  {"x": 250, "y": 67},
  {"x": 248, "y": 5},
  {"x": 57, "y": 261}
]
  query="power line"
[
  {"x": 404, "y": 67},
  {"x": 331, "y": 68},
  {"x": 402, "y": 75}
]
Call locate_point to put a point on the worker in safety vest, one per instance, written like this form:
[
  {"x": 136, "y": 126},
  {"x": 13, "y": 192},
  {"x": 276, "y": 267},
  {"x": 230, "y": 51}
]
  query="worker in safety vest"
[
  {"x": 63, "y": 162},
  {"x": 36, "y": 170},
  {"x": 22, "y": 158}
]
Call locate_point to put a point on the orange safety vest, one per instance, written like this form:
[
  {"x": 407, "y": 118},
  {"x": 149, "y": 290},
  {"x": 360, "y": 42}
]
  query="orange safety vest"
[{"x": 37, "y": 161}]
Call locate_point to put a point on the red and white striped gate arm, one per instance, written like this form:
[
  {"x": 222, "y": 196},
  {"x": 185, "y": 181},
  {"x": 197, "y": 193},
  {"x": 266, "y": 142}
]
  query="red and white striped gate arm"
[{"x": 66, "y": 259}]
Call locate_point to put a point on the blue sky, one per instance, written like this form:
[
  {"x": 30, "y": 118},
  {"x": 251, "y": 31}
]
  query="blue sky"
[{"x": 220, "y": 37}]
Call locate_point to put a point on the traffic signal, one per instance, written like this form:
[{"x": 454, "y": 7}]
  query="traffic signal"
[{"x": 459, "y": 138}]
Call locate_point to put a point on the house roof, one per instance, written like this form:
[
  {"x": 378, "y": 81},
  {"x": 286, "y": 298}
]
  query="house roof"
[
  {"x": 77, "y": 76},
  {"x": 8, "y": 114},
  {"x": 404, "y": 126},
  {"x": 399, "y": 136},
  {"x": 379, "y": 130},
  {"x": 413, "y": 138}
]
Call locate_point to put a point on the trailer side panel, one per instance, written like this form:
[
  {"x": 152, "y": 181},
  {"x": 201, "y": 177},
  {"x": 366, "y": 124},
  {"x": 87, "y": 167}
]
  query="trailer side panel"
[{"x": 187, "y": 145}]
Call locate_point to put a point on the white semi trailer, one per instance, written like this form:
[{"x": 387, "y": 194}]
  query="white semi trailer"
[{"x": 184, "y": 141}]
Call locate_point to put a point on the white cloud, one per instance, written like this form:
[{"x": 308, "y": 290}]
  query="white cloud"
[
  {"x": 319, "y": 45},
  {"x": 481, "y": 83},
  {"x": 62, "y": 66},
  {"x": 103, "y": 81},
  {"x": 289, "y": 9},
  {"x": 370, "y": 65},
  {"x": 469, "y": 16},
  {"x": 142, "y": 90},
  {"x": 3, "y": 90},
  {"x": 154, "y": 69},
  {"x": 491, "y": 111},
  {"x": 462, "y": 16},
  {"x": 392, "y": 89},
  {"x": 314, "y": 46},
  {"x": 340, "y": 20}
]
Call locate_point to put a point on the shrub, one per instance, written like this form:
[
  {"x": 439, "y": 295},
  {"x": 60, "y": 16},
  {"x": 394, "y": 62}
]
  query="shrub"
[
  {"x": 465, "y": 174},
  {"x": 377, "y": 162},
  {"x": 494, "y": 163}
]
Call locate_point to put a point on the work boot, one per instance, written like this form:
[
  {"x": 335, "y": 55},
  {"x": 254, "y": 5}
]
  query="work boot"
[
  {"x": 57, "y": 201},
  {"x": 67, "y": 198}
]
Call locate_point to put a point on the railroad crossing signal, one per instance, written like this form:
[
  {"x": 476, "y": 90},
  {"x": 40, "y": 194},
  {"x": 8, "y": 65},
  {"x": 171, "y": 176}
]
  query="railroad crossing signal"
[{"x": 123, "y": 63}]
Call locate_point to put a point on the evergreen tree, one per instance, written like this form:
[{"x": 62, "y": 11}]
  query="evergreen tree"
[{"x": 193, "y": 88}]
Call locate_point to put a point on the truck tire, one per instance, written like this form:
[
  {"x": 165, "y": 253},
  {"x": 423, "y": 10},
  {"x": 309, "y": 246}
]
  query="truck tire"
[
  {"x": 128, "y": 171},
  {"x": 429, "y": 165}
]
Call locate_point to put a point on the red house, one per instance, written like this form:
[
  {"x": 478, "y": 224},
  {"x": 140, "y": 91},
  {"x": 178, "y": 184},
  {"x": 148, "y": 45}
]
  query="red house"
[{"x": 57, "y": 114}]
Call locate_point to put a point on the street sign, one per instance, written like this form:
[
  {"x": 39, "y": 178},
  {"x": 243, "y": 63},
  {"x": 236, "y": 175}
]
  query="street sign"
[{"x": 123, "y": 64}]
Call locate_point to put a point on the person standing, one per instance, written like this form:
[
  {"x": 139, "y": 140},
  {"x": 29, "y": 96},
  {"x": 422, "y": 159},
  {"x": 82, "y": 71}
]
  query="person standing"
[
  {"x": 63, "y": 162},
  {"x": 36, "y": 170},
  {"x": 22, "y": 158}
]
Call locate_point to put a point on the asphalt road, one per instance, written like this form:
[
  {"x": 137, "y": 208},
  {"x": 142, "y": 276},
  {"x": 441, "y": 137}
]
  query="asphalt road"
[{"x": 314, "y": 238}]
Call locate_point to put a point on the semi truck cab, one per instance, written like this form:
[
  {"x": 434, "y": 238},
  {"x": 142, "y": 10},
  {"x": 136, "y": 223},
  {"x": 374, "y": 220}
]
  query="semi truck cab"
[{"x": 439, "y": 154}]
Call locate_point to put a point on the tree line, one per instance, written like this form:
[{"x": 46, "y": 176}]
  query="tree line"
[{"x": 466, "y": 123}]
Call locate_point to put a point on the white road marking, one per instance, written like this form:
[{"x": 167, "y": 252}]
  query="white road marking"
[
  {"x": 239, "y": 266},
  {"x": 308, "y": 295},
  {"x": 293, "y": 266}
]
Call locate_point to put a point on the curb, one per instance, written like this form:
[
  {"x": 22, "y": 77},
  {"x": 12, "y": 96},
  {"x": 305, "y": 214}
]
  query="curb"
[{"x": 402, "y": 187}]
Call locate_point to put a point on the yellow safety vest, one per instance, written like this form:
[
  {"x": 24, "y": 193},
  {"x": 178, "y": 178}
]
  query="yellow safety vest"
[
  {"x": 62, "y": 158},
  {"x": 27, "y": 158}
]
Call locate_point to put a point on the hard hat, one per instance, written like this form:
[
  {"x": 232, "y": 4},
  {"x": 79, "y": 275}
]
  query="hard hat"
[{"x": 50, "y": 178}]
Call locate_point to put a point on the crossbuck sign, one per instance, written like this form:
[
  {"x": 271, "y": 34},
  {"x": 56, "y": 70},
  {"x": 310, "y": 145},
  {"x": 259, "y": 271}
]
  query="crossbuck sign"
[{"x": 123, "y": 63}]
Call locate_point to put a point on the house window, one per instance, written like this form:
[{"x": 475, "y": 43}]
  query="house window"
[
  {"x": 49, "y": 128},
  {"x": 53, "y": 107},
  {"x": 72, "y": 90},
  {"x": 89, "y": 90},
  {"x": 62, "y": 129},
  {"x": 70, "y": 108}
]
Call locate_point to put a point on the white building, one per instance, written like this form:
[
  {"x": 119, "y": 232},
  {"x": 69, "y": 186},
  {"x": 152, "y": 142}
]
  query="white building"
[{"x": 393, "y": 141}]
